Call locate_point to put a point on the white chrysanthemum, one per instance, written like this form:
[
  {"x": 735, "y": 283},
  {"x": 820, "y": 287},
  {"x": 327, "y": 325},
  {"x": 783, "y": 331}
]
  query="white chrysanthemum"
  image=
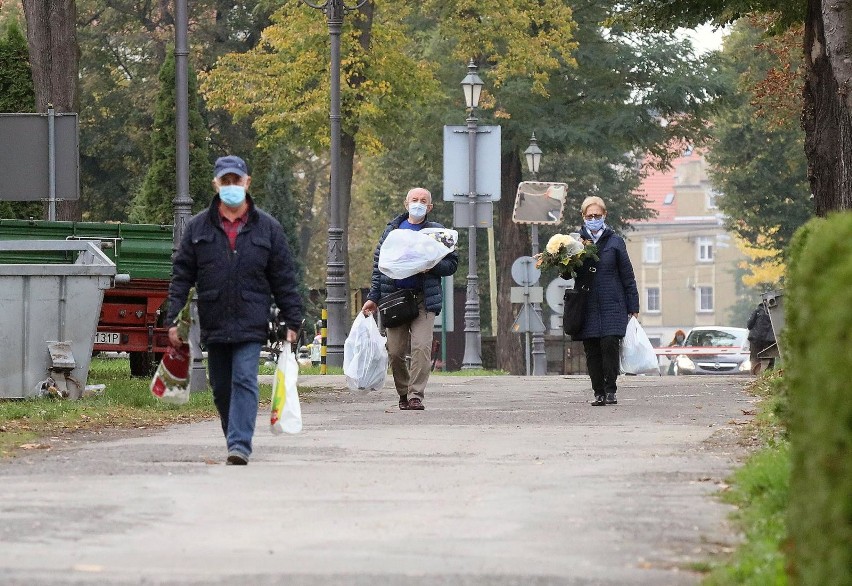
[
  {"x": 573, "y": 246},
  {"x": 556, "y": 242}
]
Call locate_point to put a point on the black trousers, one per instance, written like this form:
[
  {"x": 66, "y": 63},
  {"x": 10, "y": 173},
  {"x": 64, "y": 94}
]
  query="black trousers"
[{"x": 603, "y": 362}]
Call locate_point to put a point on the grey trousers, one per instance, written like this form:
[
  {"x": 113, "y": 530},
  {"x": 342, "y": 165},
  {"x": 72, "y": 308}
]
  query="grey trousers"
[{"x": 414, "y": 339}]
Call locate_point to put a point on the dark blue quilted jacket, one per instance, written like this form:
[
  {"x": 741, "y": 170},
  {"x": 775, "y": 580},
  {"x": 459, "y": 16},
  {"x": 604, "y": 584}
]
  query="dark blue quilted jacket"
[
  {"x": 613, "y": 294},
  {"x": 381, "y": 284},
  {"x": 235, "y": 288}
]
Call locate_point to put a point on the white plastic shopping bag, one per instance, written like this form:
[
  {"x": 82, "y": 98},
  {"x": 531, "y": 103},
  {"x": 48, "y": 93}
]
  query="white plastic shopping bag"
[
  {"x": 637, "y": 353},
  {"x": 407, "y": 252},
  {"x": 365, "y": 355},
  {"x": 286, "y": 412}
]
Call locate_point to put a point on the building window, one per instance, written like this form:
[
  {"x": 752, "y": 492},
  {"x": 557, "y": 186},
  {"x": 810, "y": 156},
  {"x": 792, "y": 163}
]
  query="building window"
[
  {"x": 669, "y": 199},
  {"x": 652, "y": 249},
  {"x": 710, "y": 196},
  {"x": 652, "y": 299},
  {"x": 705, "y": 298},
  {"x": 705, "y": 248}
]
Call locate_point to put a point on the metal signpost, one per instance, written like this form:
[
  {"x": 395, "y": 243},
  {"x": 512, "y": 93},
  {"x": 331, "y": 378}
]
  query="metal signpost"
[
  {"x": 525, "y": 274},
  {"x": 538, "y": 203}
]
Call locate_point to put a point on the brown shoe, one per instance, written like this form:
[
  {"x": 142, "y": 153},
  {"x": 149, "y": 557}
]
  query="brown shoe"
[
  {"x": 403, "y": 403},
  {"x": 415, "y": 404}
]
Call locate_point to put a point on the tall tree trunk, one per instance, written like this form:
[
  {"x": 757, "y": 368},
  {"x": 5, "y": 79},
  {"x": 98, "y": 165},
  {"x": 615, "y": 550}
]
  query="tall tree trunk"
[
  {"x": 513, "y": 239},
  {"x": 52, "y": 41},
  {"x": 827, "y": 103}
]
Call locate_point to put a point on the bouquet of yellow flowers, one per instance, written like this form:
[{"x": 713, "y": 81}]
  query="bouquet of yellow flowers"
[{"x": 566, "y": 253}]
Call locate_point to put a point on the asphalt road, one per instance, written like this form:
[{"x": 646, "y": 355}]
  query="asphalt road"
[{"x": 500, "y": 481}]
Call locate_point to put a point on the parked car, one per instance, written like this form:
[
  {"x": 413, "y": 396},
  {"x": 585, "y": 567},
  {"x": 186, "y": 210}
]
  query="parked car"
[{"x": 714, "y": 350}]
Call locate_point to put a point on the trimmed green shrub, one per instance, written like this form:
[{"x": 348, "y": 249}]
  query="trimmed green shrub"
[{"x": 818, "y": 357}]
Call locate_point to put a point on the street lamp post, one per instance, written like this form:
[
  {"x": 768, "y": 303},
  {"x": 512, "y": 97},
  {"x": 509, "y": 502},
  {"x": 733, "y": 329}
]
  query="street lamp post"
[
  {"x": 182, "y": 201},
  {"x": 335, "y": 283},
  {"x": 472, "y": 86},
  {"x": 539, "y": 357}
]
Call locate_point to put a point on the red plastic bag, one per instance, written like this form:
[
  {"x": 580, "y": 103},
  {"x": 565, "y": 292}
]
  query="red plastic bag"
[{"x": 171, "y": 381}]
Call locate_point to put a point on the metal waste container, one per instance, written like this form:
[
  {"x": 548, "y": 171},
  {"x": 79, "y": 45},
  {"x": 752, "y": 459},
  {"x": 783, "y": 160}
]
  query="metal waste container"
[{"x": 50, "y": 301}]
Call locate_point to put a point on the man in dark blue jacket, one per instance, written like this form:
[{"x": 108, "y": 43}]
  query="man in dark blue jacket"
[
  {"x": 238, "y": 258},
  {"x": 416, "y": 336}
]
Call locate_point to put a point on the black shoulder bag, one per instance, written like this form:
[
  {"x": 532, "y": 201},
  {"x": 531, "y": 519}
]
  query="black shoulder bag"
[
  {"x": 574, "y": 306},
  {"x": 398, "y": 308}
]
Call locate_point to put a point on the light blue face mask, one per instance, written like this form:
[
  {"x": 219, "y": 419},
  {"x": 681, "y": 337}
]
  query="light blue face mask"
[
  {"x": 594, "y": 225},
  {"x": 417, "y": 210},
  {"x": 232, "y": 195}
]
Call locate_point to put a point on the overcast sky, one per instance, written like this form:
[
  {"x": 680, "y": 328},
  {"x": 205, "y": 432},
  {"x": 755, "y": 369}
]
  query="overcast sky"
[{"x": 705, "y": 37}]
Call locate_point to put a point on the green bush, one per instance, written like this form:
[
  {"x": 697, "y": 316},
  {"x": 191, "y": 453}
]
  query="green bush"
[{"x": 819, "y": 346}]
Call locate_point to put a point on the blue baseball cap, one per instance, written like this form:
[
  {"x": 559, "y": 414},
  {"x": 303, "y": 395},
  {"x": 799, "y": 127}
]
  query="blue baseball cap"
[{"x": 230, "y": 164}]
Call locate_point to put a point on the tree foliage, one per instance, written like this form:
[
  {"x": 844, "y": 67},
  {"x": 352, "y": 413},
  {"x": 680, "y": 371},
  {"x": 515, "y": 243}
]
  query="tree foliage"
[
  {"x": 757, "y": 160},
  {"x": 669, "y": 15},
  {"x": 123, "y": 46},
  {"x": 16, "y": 95},
  {"x": 827, "y": 107},
  {"x": 154, "y": 203}
]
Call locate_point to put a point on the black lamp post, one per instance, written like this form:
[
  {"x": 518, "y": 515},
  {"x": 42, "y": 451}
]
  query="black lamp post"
[
  {"x": 472, "y": 86},
  {"x": 182, "y": 201},
  {"x": 539, "y": 358},
  {"x": 335, "y": 283}
]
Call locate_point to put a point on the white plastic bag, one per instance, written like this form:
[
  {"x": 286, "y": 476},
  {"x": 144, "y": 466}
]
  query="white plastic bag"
[
  {"x": 407, "y": 252},
  {"x": 365, "y": 356},
  {"x": 637, "y": 353},
  {"x": 286, "y": 412}
]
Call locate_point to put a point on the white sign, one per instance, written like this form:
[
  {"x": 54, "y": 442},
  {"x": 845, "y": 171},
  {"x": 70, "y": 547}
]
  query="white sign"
[{"x": 457, "y": 169}]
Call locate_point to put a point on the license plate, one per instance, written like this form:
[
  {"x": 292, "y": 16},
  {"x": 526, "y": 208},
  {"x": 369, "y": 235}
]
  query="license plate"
[{"x": 106, "y": 338}]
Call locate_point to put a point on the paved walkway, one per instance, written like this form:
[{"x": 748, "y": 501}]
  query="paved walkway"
[{"x": 502, "y": 480}]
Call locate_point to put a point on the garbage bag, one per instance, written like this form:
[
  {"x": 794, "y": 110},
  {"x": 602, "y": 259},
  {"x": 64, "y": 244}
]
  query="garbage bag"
[
  {"x": 365, "y": 355},
  {"x": 407, "y": 252},
  {"x": 637, "y": 353},
  {"x": 286, "y": 416}
]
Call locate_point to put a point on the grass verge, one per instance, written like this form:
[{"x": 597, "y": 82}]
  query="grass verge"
[
  {"x": 126, "y": 403},
  {"x": 759, "y": 490}
]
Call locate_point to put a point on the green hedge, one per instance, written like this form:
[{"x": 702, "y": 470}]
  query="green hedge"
[{"x": 819, "y": 369}]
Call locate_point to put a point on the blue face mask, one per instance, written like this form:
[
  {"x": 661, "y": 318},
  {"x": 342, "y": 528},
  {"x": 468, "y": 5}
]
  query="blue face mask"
[
  {"x": 594, "y": 225},
  {"x": 232, "y": 195},
  {"x": 417, "y": 210}
]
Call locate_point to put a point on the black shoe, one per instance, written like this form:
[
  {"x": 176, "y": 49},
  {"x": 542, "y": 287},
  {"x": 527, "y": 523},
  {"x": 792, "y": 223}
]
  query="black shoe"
[
  {"x": 610, "y": 399},
  {"x": 599, "y": 401},
  {"x": 236, "y": 459},
  {"x": 415, "y": 404},
  {"x": 403, "y": 403}
]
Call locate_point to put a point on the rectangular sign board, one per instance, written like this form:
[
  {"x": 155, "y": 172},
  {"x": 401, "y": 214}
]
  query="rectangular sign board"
[
  {"x": 24, "y": 159},
  {"x": 457, "y": 169},
  {"x": 478, "y": 215}
]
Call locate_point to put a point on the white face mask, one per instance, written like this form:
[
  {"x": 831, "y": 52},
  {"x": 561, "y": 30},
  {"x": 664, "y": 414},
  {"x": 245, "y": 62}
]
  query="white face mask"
[{"x": 417, "y": 210}]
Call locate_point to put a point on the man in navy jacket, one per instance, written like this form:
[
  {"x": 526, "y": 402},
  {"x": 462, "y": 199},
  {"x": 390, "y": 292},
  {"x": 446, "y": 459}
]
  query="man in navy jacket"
[
  {"x": 238, "y": 258},
  {"x": 416, "y": 336}
]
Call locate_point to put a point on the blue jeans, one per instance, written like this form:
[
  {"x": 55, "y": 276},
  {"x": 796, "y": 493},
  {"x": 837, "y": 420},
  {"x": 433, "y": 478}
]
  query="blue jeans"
[{"x": 233, "y": 376}]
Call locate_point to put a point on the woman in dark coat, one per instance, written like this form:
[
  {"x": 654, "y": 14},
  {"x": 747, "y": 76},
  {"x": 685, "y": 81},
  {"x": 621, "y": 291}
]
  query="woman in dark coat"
[{"x": 613, "y": 298}]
